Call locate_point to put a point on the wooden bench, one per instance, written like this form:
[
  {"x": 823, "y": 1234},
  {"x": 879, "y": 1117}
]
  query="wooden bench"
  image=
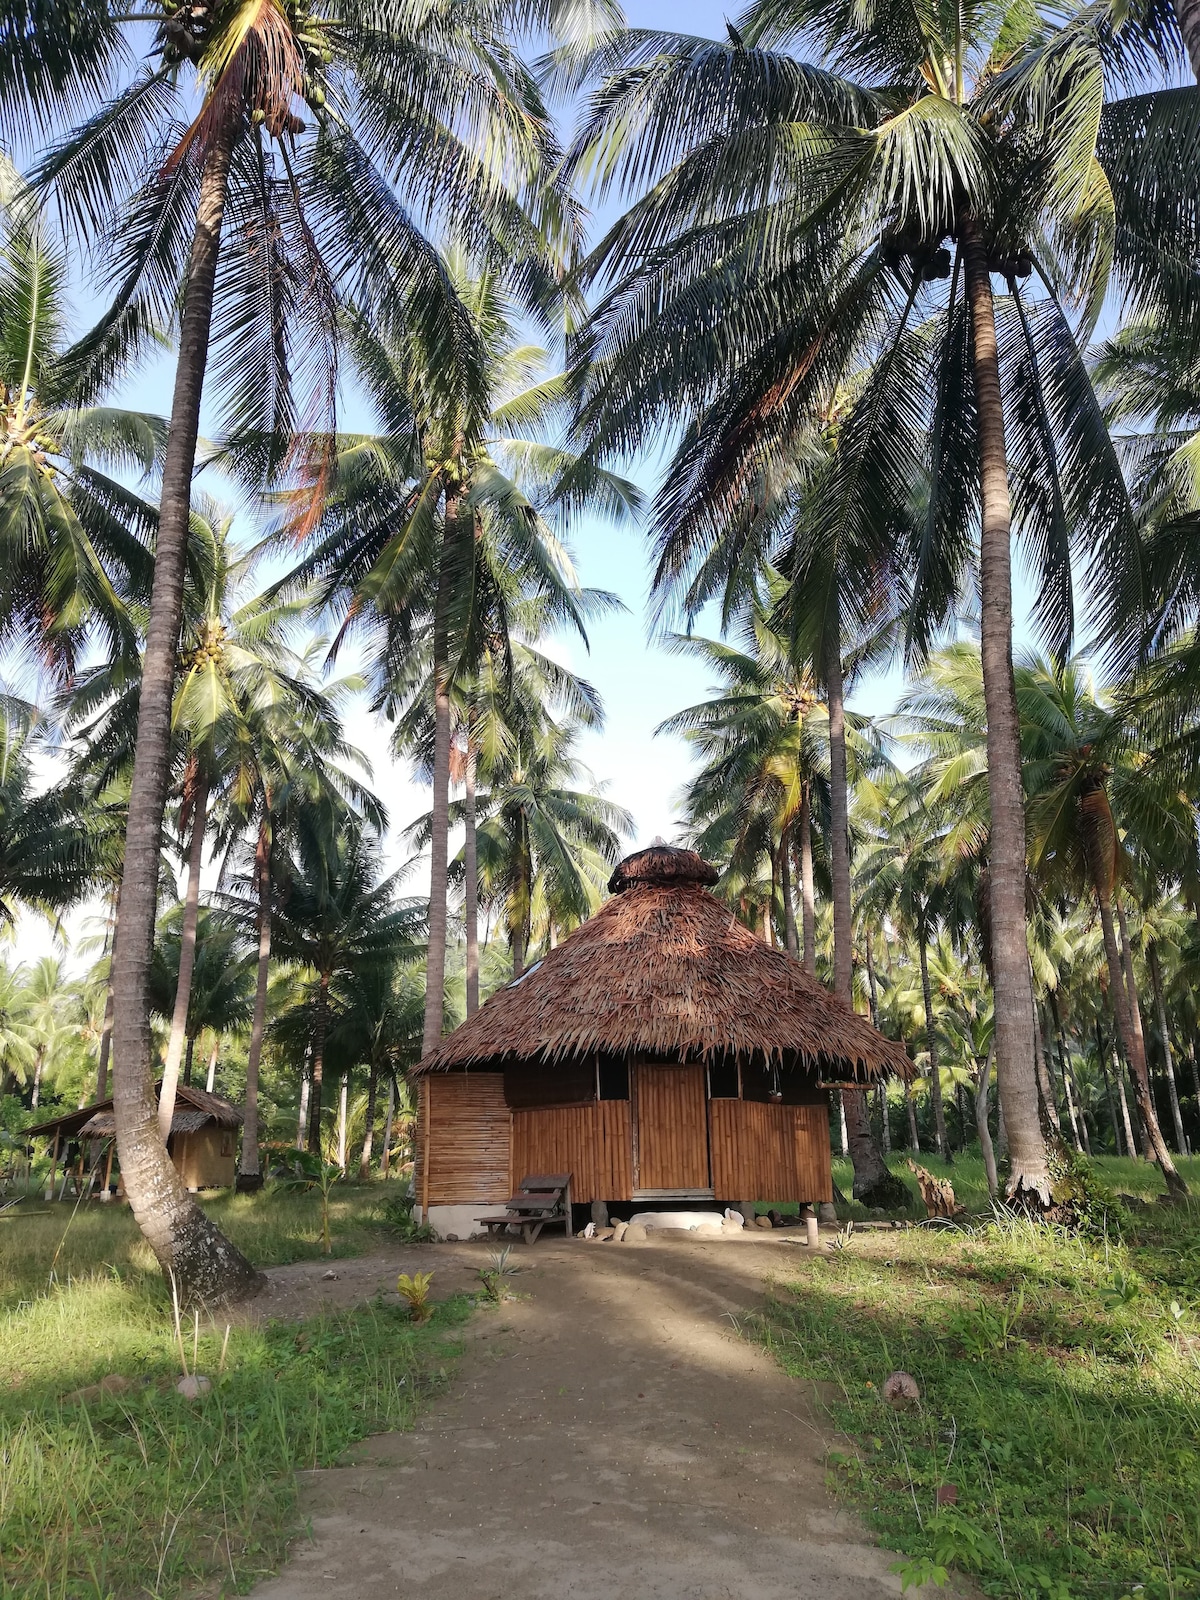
[{"x": 539, "y": 1201}]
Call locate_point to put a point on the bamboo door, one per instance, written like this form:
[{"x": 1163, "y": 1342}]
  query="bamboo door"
[{"x": 672, "y": 1129}]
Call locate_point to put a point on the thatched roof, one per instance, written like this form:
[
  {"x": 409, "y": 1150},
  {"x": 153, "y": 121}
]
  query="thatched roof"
[
  {"x": 193, "y": 1109},
  {"x": 664, "y": 969}
]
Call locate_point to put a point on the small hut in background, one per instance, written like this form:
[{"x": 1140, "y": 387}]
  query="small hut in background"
[
  {"x": 662, "y": 1053},
  {"x": 202, "y": 1143}
]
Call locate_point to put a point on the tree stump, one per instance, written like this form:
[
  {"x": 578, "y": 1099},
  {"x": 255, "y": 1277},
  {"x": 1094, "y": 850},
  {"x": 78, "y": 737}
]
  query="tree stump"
[{"x": 937, "y": 1193}]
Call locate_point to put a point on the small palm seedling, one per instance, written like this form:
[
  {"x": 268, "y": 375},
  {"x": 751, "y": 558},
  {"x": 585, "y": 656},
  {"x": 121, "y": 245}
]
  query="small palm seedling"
[
  {"x": 841, "y": 1239},
  {"x": 495, "y": 1276},
  {"x": 414, "y": 1291}
]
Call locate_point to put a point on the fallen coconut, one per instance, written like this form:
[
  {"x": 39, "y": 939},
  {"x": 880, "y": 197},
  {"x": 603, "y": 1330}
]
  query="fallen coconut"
[
  {"x": 194, "y": 1385},
  {"x": 901, "y": 1390}
]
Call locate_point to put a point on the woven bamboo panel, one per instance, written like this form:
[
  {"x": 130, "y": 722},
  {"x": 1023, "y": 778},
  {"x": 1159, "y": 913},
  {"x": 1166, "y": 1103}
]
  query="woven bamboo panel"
[
  {"x": 467, "y": 1138},
  {"x": 672, "y": 1130},
  {"x": 591, "y": 1142},
  {"x": 814, "y": 1173},
  {"x": 769, "y": 1152}
]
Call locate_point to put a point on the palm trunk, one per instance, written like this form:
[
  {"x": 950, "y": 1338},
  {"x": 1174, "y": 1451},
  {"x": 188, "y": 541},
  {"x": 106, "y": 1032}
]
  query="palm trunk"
[
  {"x": 1047, "y": 1042},
  {"x": 1161, "y": 1009},
  {"x": 935, "y": 1074},
  {"x": 364, "y": 1163},
  {"x": 522, "y": 891},
  {"x": 249, "y": 1169},
  {"x": 1131, "y": 1143},
  {"x": 439, "y": 842},
  {"x": 205, "y": 1266},
  {"x": 302, "y": 1110},
  {"x": 198, "y": 798},
  {"x": 1072, "y": 1112},
  {"x": 914, "y": 1140},
  {"x": 317, "y": 1068},
  {"x": 983, "y": 1078},
  {"x": 1045, "y": 1087},
  {"x": 386, "y": 1153},
  {"x": 1029, "y": 1175},
  {"x": 1101, "y": 1055},
  {"x": 1188, "y": 13},
  {"x": 808, "y": 899},
  {"x": 471, "y": 868},
  {"x": 106, "y": 1026},
  {"x": 873, "y": 1183},
  {"x": 790, "y": 938},
  {"x": 1084, "y": 1134},
  {"x": 214, "y": 1057},
  {"x": 343, "y": 1097},
  {"x": 37, "y": 1080},
  {"x": 105, "y": 1047},
  {"x": 885, "y": 1127},
  {"x": 187, "y": 1067},
  {"x": 1067, "y": 1074},
  {"x": 1130, "y": 1032}
]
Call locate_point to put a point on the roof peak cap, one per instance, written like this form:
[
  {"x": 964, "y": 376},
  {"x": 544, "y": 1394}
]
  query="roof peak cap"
[{"x": 665, "y": 865}]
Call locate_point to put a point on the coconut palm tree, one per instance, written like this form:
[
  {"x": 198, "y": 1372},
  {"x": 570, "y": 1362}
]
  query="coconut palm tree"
[
  {"x": 377, "y": 1015},
  {"x": 48, "y": 849},
  {"x": 74, "y": 539},
  {"x": 510, "y": 688},
  {"x": 221, "y": 994},
  {"x": 55, "y": 1014},
  {"x": 1076, "y": 775},
  {"x": 441, "y": 525},
  {"x": 18, "y": 1039},
  {"x": 333, "y": 141},
  {"x": 792, "y": 222},
  {"x": 292, "y": 758},
  {"x": 337, "y": 914},
  {"x": 763, "y": 737},
  {"x": 540, "y": 838},
  {"x": 908, "y": 877}
]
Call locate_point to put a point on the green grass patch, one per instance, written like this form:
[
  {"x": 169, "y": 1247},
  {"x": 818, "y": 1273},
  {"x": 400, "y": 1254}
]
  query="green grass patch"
[
  {"x": 145, "y": 1492},
  {"x": 272, "y": 1227},
  {"x": 1123, "y": 1175},
  {"x": 1060, "y": 1409}
]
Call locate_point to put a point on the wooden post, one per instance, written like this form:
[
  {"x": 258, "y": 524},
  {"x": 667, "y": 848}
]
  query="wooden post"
[
  {"x": 425, "y": 1132},
  {"x": 53, "y": 1165},
  {"x": 106, "y": 1193}
]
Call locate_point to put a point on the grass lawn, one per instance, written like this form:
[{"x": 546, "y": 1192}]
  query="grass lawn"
[
  {"x": 1060, "y": 1384},
  {"x": 143, "y": 1491}
]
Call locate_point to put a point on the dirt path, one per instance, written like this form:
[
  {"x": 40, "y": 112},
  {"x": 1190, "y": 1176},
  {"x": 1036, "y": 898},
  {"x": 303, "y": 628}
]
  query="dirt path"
[{"x": 608, "y": 1437}]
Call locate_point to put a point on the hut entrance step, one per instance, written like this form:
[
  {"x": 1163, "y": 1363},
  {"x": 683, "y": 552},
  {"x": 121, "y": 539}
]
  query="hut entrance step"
[{"x": 674, "y": 1194}]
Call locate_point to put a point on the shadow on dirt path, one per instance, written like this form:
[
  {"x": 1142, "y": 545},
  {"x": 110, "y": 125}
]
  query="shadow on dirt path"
[{"x": 608, "y": 1437}]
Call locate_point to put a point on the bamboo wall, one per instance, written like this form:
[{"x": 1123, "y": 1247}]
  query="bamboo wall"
[
  {"x": 592, "y": 1142},
  {"x": 769, "y": 1152},
  {"x": 207, "y": 1157},
  {"x": 464, "y": 1138},
  {"x": 672, "y": 1135},
  {"x": 472, "y": 1147}
]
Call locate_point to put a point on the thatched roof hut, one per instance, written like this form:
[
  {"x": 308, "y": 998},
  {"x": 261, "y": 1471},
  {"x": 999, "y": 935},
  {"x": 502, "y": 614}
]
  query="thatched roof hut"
[
  {"x": 665, "y": 969},
  {"x": 202, "y": 1141},
  {"x": 662, "y": 1049}
]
